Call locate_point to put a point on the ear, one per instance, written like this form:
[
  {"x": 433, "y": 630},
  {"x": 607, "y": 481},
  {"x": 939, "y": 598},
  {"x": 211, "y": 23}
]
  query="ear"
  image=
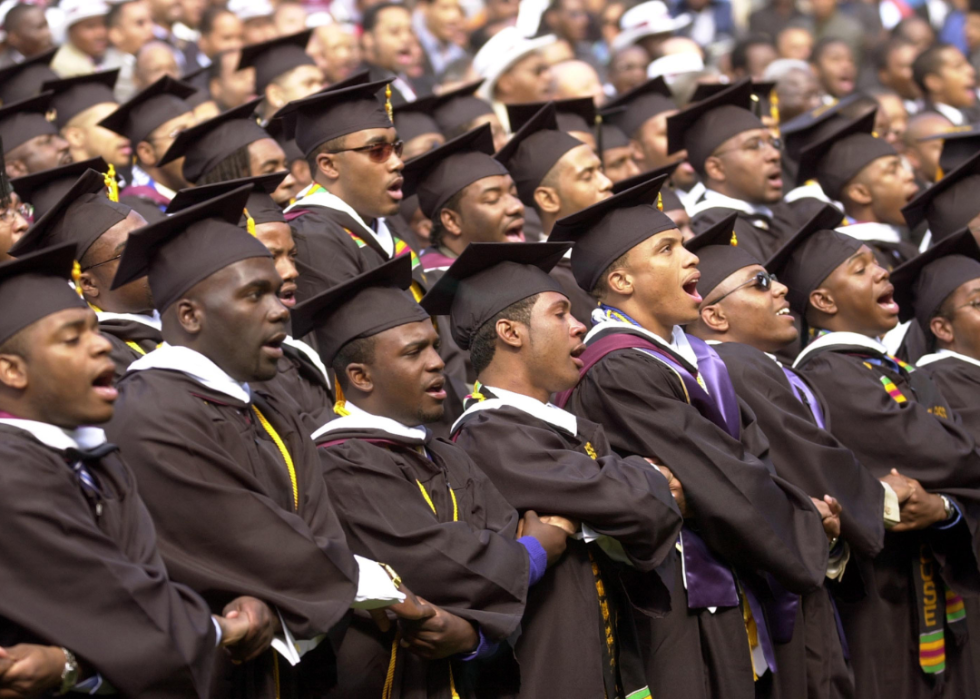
[
  {"x": 89, "y": 287},
  {"x": 359, "y": 377},
  {"x": 933, "y": 83},
  {"x": 619, "y": 281},
  {"x": 326, "y": 163},
  {"x": 16, "y": 168},
  {"x": 547, "y": 199},
  {"x": 942, "y": 328},
  {"x": 714, "y": 169},
  {"x": 114, "y": 36},
  {"x": 858, "y": 193},
  {"x": 75, "y": 137},
  {"x": 274, "y": 96},
  {"x": 190, "y": 315},
  {"x": 451, "y": 221},
  {"x": 823, "y": 301},
  {"x": 145, "y": 154},
  {"x": 511, "y": 333},
  {"x": 714, "y": 317},
  {"x": 636, "y": 151},
  {"x": 367, "y": 44},
  {"x": 13, "y": 371}
]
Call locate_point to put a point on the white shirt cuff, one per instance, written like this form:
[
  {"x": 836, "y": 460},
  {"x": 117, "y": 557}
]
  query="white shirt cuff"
[
  {"x": 218, "y": 634},
  {"x": 893, "y": 514}
]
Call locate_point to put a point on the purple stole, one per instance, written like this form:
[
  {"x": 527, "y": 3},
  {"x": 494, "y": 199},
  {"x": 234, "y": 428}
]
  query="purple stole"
[
  {"x": 431, "y": 259},
  {"x": 806, "y": 396}
]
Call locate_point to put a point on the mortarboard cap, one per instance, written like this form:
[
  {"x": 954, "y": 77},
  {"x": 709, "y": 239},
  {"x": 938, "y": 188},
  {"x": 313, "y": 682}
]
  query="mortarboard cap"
[
  {"x": 205, "y": 145},
  {"x": 458, "y": 108},
  {"x": 612, "y": 137},
  {"x": 414, "y": 119},
  {"x": 81, "y": 216},
  {"x": 260, "y": 206},
  {"x": 668, "y": 197},
  {"x": 534, "y": 150},
  {"x": 276, "y": 128},
  {"x": 607, "y": 230},
  {"x": 761, "y": 97},
  {"x": 489, "y": 277},
  {"x": 42, "y": 277},
  {"x": 360, "y": 307},
  {"x": 24, "y": 120},
  {"x": 703, "y": 126},
  {"x": 335, "y": 112},
  {"x": 950, "y": 204},
  {"x": 813, "y": 125},
  {"x": 42, "y": 190},
  {"x": 960, "y": 143},
  {"x": 631, "y": 110},
  {"x": 276, "y": 57},
  {"x": 923, "y": 283},
  {"x": 148, "y": 109},
  {"x": 839, "y": 156},
  {"x": 719, "y": 254},
  {"x": 19, "y": 81},
  {"x": 72, "y": 96},
  {"x": 442, "y": 172},
  {"x": 188, "y": 247},
  {"x": 809, "y": 257},
  {"x": 572, "y": 114}
]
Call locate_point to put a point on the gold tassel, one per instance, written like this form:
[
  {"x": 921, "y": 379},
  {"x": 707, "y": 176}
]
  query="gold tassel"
[
  {"x": 250, "y": 224},
  {"x": 76, "y": 277},
  {"x": 939, "y": 173},
  {"x": 660, "y": 202},
  {"x": 340, "y": 407},
  {"x": 111, "y": 185},
  {"x": 734, "y": 241},
  {"x": 391, "y": 114}
]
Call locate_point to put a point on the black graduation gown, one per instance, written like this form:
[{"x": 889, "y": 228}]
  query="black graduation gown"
[
  {"x": 123, "y": 334},
  {"x": 749, "y": 518},
  {"x": 813, "y": 460},
  {"x": 221, "y": 495},
  {"x": 758, "y": 234},
  {"x": 479, "y": 573},
  {"x": 941, "y": 454},
  {"x": 95, "y": 584},
  {"x": 301, "y": 383},
  {"x": 538, "y": 466}
]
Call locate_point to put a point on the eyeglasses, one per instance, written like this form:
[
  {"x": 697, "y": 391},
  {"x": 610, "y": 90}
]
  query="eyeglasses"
[
  {"x": 755, "y": 144},
  {"x": 377, "y": 152},
  {"x": 762, "y": 281},
  {"x": 25, "y": 210},
  {"x": 104, "y": 262}
]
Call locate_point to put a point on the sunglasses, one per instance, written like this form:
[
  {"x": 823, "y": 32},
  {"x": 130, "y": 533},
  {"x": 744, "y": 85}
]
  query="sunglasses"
[
  {"x": 761, "y": 281},
  {"x": 377, "y": 152}
]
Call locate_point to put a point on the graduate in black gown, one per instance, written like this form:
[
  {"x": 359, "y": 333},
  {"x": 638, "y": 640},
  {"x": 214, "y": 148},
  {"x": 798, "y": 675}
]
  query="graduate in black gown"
[
  {"x": 578, "y": 635},
  {"x": 402, "y": 494},
  {"x": 229, "y": 472},
  {"x": 661, "y": 393},
  {"x": 949, "y": 205},
  {"x": 891, "y": 417},
  {"x": 87, "y": 214},
  {"x": 69, "y": 503},
  {"x": 744, "y": 315},
  {"x": 302, "y": 377}
]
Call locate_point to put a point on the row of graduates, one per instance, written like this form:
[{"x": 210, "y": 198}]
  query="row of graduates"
[{"x": 743, "y": 443}]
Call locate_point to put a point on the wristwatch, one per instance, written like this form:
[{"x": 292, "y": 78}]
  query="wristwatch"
[
  {"x": 69, "y": 676},
  {"x": 947, "y": 506}
]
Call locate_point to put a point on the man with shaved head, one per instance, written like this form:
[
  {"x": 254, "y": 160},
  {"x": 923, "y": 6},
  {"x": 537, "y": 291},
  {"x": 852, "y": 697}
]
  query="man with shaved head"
[
  {"x": 577, "y": 79},
  {"x": 919, "y": 147}
]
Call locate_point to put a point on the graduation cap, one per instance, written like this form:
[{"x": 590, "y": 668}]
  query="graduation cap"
[
  {"x": 837, "y": 158},
  {"x": 276, "y": 128},
  {"x": 611, "y": 136},
  {"x": 459, "y": 107},
  {"x": 959, "y": 144},
  {"x": 42, "y": 277},
  {"x": 205, "y": 145},
  {"x": 809, "y": 257},
  {"x": 200, "y": 80},
  {"x": 813, "y": 125},
  {"x": 719, "y": 254},
  {"x": 764, "y": 100},
  {"x": 442, "y": 172},
  {"x": 19, "y": 81},
  {"x": 949, "y": 204},
  {"x": 414, "y": 119},
  {"x": 572, "y": 115},
  {"x": 188, "y": 247},
  {"x": 631, "y": 182},
  {"x": 72, "y": 96},
  {"x": 534, "y": 150},
  {"x": 489, "y": 277},
  {"x": 42, "y": 190},
  {"x": 276, "y": 57},
  {"x": 153, "y": 106},
  {"x": 363, "y": 306},
  {"x": 24, "y": 120},
  {"x": 334, "y": 112},
  {"x": 81, "y": 216},
  {"x": 643, "y": 102},
  {"x": 259, "y": 208},
  {"x": 923, "y": 283},
  {"x": 705, "y": 125},
  {"x": 607, "y": 230}
]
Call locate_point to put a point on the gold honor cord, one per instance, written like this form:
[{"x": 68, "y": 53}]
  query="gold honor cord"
[{"x": 285, "y": 454}]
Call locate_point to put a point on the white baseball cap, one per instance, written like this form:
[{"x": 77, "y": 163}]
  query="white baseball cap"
[
  {"x": 251, "y": 9},
  {"x": 674, "y": 64},
  {"x": 77, "y": 10},
  {"x": 503, "y": 50},
  {"x": 647, "y": 19}
]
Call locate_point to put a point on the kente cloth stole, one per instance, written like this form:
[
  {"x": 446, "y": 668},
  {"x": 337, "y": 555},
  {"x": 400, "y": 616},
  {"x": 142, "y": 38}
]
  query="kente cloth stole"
[{"x": 939, "y": 609}]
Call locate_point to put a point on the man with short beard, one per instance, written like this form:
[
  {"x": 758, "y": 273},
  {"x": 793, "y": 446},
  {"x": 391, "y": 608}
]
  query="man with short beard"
[
  {"x": 891, "y": 417},
  {"x": 31, "y": 142},
  {"x": 231, "y": 475}
]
